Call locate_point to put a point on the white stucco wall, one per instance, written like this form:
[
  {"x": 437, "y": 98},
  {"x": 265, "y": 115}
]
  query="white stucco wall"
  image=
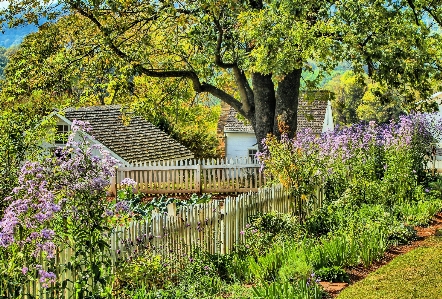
[{"x": 238, "y": 144}]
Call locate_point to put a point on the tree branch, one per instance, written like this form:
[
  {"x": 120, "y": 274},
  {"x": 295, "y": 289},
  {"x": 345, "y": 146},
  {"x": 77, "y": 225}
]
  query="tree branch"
[
  {"x": 413, "y": 8},
  {"x": 245, "y": 92},
  {"x": 219, "y": 40},
  {"x": 434, "y": 16},
  {"x": 197, "y": 85}
]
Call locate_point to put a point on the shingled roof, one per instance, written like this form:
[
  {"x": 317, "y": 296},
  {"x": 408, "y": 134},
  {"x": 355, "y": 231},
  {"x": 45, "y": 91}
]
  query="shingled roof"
[
  {"x": 138, "y": 141},
  {"x": 311, "y": 114},
  {"x": 233, "y": 124}
]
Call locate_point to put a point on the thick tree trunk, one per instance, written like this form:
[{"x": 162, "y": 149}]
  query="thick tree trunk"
[
  {"x": 287, "y": 103},
  {"x": 270, "y": 104},
  {"x": 265, "y": 103}
]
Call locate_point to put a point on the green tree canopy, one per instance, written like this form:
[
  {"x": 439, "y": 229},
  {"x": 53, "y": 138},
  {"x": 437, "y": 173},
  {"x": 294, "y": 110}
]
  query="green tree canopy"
[
  {"x": 249, "y": 54},
  {"x": 3, "y": 60},
  {"x": 358, "y": 98},
  {"x": 348, "y": 89},
  {"x": 42, "y": 70}
]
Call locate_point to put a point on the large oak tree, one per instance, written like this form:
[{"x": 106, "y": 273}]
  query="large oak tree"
[{"x": 252, "y": 54}]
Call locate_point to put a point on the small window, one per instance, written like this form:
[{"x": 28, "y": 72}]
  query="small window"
[
  {"x": 61, "y": 136},
  {"x": 252, "y": 155}
]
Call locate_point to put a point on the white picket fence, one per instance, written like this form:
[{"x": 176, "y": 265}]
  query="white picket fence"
[
  {"x": 435, "y": 165},
  {"x": 192, "y": 176},
  {"x": 216, "y": 227}
]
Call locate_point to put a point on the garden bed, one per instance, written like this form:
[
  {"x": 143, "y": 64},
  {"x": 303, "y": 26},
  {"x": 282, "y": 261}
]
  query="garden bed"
[
  {"x": 414, "y": 275},
  {"x": 359, "y": 273},
  {"x": 346, "y": 198}
]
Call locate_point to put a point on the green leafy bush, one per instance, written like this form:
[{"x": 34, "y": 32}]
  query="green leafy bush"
[
  {"x": 419, "y": 213},
  {"x": 333, "y": 274},
  {"x": 233, "y": 267},
  {"x": 295, "y": 264},
  {"x": 199, "y": 275},
  {"x": 267, "y": 229},
  {"x": 142, "y": 270},
  {"x": 301, "y": 289},
  {"x": 400, "y": 233}
]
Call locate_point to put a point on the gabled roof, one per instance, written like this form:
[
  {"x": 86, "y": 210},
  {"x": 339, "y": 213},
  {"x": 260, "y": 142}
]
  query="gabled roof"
[
  {"x": 138, "y": 141},
  {"x": 311, "y": 114},
  {"x": 233, "y": 124}
]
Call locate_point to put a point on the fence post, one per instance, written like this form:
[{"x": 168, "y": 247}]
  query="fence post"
[
  {"x": 198, "y": 178},
  {"x": 171, "y": 209},
  {"x": 115, "y": 178}
]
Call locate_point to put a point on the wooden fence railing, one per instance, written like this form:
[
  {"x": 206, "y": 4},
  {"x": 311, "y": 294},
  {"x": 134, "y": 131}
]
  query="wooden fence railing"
[
  {"x": 216, "y": 227},
  {"x": 193, "y": 176}
]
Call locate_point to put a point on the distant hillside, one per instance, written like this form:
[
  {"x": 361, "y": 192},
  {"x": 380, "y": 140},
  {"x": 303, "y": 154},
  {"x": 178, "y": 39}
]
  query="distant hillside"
[{"x": 14, "y": 36}]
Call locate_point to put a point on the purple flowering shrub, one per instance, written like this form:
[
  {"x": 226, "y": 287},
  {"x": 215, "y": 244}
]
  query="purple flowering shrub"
[
  {"x": 20, "y": 134},
  {"x": 61, "y": 203},
  {"x": 362, "y": 163}
]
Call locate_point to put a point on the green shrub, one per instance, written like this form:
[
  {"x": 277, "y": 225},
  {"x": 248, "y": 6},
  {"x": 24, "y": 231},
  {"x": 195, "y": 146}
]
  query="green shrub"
[
  {"x": 143, "y": 270},
  {"x": 372, "y": 246},
  {"x": 419, "y": 213},
  {"x": 267, "y": 229},
  {"x": 295, "y": 265},
  {"x": 266, "y": 267},
  {"x": 333, "y": 274},
  {"x": 233, "y": 268},
  {"x": 399, "y": 233},
  {"x": 199, "y": 275},
  {"x": 301, "y": 289},
  {"x": 321, "y": 221}
]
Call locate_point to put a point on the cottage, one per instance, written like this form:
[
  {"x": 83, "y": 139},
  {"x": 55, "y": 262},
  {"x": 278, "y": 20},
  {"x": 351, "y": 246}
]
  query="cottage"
[
  {"x": 127, "y": 137},
  {"x": 238, "y": 139}
]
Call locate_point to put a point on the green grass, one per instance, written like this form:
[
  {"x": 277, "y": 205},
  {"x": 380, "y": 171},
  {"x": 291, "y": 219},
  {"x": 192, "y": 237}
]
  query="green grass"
[{"x": 416, "y": 274}]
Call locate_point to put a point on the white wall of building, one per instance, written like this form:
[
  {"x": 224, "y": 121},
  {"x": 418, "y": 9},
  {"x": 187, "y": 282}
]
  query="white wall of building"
[
  {"x": 239, "y": 143},
  {"x": 328, "y": 119}
]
